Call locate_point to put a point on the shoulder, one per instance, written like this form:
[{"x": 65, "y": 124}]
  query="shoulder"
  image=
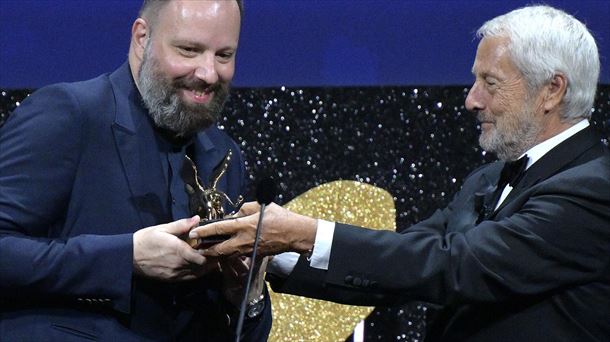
[
  {"x": 591, "y": 176},
  {"x": 68, "y": 99},
  {"x": 59, "y": 112}
]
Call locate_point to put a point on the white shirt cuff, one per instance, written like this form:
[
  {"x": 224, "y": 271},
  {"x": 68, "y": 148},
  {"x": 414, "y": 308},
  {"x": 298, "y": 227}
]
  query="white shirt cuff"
[
  {"x": 324, "y": 241},
  {"x": 283, "y": 264}
]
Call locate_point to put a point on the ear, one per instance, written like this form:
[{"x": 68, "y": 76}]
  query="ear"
[
  {"x": 140, "y": 33},
  {"x": 555, "y": 91}
]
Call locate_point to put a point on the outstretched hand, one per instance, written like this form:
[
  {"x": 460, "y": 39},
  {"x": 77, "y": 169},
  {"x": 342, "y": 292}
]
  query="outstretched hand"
[{"x": 281, "y": 231}]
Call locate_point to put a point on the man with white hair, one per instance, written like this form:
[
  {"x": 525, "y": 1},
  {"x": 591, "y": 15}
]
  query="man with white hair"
[{"x": 522, "y": 251}]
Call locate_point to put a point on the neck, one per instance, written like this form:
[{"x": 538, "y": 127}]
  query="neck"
[{"x": 552, "y": 125}]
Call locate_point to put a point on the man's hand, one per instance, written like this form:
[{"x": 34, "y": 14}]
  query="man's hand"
[
  {"x": 282, "y": 231},
  {"x": 235, "y": 274},
  {"x": 159, "y": 253}
]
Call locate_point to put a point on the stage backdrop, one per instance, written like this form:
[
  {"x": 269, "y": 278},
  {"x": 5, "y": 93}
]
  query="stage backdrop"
[
  {"x": 418, "y": 143},
  {"x": 367, "y": 90}
]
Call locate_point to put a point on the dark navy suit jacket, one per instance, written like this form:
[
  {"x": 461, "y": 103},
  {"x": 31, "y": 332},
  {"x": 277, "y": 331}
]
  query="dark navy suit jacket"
[
  {"x": 535, "y": 269},
  {"x": 80, "y": 172}
]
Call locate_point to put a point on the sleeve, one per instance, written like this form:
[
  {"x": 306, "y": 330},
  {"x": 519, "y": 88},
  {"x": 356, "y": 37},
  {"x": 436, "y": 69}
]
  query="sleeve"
[
  {"x": 282, "y": 264},
  {"x": 559, "y": 236},
  {"x": 40, "y": 146}
]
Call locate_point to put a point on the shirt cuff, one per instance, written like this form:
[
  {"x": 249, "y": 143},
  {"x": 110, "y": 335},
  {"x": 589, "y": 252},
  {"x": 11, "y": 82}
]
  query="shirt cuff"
[
  {"x": 282, "y": 264},
  {"x": 324, "y": 241}
]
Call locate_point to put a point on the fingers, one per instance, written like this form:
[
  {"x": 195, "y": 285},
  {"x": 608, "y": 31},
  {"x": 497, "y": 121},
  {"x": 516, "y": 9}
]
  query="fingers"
[
  {"x": 192, "y": 256},
  {"x": 218, "y": 250},
  {"x": 235, "y": 266},
  {"x": 213, "y": 229},
  {"x": 180, "y": 227}
]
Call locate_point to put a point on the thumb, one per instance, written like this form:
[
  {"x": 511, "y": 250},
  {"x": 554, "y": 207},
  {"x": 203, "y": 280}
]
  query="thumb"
[{"x": 180, "y": 227}]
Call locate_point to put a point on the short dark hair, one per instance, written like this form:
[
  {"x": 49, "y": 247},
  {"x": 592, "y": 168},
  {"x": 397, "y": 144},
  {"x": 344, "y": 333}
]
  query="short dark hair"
[{"x": 154, "y": 6}]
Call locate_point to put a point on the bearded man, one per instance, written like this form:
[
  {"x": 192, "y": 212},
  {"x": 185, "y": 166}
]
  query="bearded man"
[
  {"x": 92, "y": 203},
  {"x": 522, "y": 251}
]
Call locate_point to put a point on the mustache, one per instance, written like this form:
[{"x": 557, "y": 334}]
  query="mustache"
[
  {"x": 482, "y": 117},
  {"x": 197, "y": 85}
]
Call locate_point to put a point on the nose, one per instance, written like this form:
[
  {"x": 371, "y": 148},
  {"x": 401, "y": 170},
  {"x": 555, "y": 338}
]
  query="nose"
[
  {"x": 205, "y": 69},
  {"x": 474, "y": 101}
]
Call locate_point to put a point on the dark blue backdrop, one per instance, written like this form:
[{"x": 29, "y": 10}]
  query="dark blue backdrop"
[{"x": 283, "y": 42}]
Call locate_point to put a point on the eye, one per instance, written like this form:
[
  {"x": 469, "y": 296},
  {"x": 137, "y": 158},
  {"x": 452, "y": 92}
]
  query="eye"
[
  {"x": 225, "y": 55},
  {"x": 187, "y": 50},
  {"x": 490, "y": 81}
]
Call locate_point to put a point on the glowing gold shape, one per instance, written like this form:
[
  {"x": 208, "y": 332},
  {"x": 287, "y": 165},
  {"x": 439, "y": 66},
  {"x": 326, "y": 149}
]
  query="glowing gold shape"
[{"x": 303, "y": 319}]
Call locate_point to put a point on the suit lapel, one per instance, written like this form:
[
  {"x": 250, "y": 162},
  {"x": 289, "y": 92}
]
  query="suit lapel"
[
  {"x": 484, "y": 196},
  {"x": 136, "y": 145},
  {"x": 554, "y": 161}
]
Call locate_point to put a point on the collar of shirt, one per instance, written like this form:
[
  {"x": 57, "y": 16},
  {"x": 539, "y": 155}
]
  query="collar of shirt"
[{"x": 536, "y": 152}]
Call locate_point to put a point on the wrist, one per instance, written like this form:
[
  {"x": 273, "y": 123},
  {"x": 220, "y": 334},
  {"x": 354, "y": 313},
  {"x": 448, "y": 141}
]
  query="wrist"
[
  {"x": 137, "y": 270},
  {"x": 307, "y": 237}
]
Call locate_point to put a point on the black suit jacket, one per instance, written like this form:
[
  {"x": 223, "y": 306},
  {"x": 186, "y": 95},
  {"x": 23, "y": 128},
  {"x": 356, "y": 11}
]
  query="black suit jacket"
[{"x": 536, "y": 269}]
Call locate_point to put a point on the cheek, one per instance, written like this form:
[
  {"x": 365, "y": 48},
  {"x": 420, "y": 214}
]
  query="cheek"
[
  {"x": 172, "y": 66},
  {"x": 511, "y": 98},
  {"x": 176, "y": 68},
  {"x": 506, "y": 104},
  {"x": 225, "y": 72}
]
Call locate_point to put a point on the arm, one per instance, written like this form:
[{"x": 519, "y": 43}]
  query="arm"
[
  {"x": 40, "y": 258},
  {"x": 557, "y": 236},
  {"x": 39, "y": 154}
]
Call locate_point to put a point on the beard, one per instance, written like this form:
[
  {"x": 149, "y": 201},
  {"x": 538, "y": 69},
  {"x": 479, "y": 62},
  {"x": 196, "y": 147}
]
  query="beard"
[
  {"x": 166, "y": 107},
  {"x": 512, "y": 134}
]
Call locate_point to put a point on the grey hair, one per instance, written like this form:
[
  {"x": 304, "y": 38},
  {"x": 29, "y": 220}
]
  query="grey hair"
[{"x": 545, "y": 41}]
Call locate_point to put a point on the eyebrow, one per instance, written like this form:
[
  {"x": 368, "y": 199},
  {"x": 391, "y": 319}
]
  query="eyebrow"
[
  {"x": 187, "y": 42},
  {"x": 199, "y": 45}
]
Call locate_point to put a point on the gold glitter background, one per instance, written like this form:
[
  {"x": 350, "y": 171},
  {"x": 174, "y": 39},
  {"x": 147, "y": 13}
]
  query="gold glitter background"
[{"x": 303, "y": 319}]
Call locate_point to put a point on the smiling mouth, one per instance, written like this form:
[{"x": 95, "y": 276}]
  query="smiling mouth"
[
  {"x": 199, "y": 96},
  {"x": 486, "y": 126}
]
